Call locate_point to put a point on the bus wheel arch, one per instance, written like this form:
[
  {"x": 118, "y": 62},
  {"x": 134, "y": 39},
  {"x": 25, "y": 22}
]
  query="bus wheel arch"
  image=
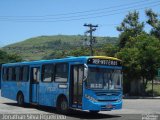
[
  {"x": 62, "y": 105},
  {"x": 20, "y": 98}
]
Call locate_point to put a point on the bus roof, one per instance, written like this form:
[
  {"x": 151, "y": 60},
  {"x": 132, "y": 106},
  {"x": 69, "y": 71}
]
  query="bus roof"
[
  {"x": 106, "y": 57},
  {"x": 67, "y": 59}
]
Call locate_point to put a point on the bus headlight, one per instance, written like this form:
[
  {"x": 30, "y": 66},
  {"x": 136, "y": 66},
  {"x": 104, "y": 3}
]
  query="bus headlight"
[
  {"x": 119, "y": 100},
  {"x": 90, "y": 98}
]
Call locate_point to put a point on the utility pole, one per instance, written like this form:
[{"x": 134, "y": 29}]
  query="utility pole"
[{"x": 92, "y": 39}]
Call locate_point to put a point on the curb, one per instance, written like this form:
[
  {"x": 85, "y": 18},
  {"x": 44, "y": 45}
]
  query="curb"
[{"x": 138, "y": 97}]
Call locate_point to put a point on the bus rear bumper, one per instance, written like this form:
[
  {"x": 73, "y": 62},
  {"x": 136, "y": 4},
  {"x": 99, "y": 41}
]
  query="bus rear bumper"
[{"x": 102, "y": 106}]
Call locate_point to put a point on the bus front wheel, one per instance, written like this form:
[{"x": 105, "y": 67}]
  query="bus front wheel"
[
  {"x": 20, "y": 99},
  {"x": 62, "y": 105}
]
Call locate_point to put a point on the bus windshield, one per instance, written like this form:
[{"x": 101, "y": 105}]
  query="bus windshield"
[{"x": 102, "y": 78}]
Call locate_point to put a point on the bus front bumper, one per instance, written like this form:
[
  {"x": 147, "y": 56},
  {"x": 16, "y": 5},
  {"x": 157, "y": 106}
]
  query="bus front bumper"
[{"x": 101, "y": 106}]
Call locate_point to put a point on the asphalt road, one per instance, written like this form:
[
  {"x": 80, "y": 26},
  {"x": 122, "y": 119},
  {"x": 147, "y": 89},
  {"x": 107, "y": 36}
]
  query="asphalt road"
[{"x": 133, "y": 109}]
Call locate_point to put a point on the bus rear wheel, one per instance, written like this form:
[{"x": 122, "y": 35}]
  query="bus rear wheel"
[
  {"x": 62, "y": 105},
  {"x": 20, "y": 99}
]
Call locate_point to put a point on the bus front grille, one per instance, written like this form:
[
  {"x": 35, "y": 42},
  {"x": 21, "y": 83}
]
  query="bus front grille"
[
  {"x": 106, "y": 94},
  {"x": 108, "y": 100}
]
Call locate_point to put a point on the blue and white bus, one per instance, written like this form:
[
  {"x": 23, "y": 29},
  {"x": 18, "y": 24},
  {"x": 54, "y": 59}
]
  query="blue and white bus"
[{"x": 92, "y": 83}]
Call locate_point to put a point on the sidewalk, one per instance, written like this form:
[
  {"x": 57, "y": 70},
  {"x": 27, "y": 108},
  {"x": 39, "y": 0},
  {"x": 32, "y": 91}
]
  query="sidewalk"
[{"x": 141, "y": 97}]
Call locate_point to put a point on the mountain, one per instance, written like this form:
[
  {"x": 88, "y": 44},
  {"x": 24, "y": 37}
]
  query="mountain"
[{"x": 38, "y": 47}]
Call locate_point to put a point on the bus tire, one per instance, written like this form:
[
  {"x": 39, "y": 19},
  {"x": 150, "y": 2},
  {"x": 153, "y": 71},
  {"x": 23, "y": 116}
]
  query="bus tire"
[
  {"x": 20, "y": 99},
  {"x": 62, "y": 105}
]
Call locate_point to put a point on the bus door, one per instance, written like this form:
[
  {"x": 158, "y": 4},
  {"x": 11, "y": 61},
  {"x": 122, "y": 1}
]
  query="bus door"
[
  {"x": 76, "y": 86},
  {"x": 34, "y": 84}
]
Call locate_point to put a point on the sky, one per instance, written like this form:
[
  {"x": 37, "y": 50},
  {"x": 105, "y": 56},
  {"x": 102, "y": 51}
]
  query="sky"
[{"x": 24, "y": 19}]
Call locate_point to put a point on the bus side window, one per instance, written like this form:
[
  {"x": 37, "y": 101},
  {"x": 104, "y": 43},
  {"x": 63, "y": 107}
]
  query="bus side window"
[
  {"x": 17, "y": 73},
  {"x": 13, "y": 74},
  {"x": 61, "y": 72},
  {"x": 35, "y": 75},
  {"x": 5, "y": 74},
  {"x": 47, "y": 72},
  {"x": 10, "y": 73},
  {"x": 25, "y": 73}
]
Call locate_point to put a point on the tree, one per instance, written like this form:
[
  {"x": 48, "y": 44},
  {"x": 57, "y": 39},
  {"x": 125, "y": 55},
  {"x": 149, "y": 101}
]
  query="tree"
[
  {"x": 130, "y": 27},
  {"x": 154, "y": 22},
  {"x": 110, "y": 49},
  {"x": 149, "y": 54},
  {"x": 14, "y": 58},
  {"x": 141, "y": 58},
  {"x": 6, "y": 58},
  {"x": 131, "y": 69},
  {"x": 3, "y": 57},
  {"x": 83, "y": 51}
]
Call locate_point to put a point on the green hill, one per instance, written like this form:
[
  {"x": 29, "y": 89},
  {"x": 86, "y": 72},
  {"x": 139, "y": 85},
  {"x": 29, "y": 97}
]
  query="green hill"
[{"x": 38, "y": 47}]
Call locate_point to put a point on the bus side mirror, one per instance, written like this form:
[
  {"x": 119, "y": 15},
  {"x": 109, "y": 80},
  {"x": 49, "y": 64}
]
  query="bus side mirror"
[{"x": 85, "y": 72}]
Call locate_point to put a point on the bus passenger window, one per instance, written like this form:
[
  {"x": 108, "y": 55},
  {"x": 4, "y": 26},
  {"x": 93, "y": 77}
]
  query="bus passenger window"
[
  {"x": 17, "y": 73},
  {"x": 11, "y": 76},
  {"x": 24, "y": 75},
  {"x": 47, "y": 72},
  {"x": 5, "y": 74},
  {"x": 61, "y": 72},
  {"x": 35, "y": 75}
]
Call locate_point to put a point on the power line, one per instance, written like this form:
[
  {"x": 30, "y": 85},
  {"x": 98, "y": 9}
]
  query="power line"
[
  {"x": 79, "y": 12},
  {"x": 73, "y": 19},
  {"x": 75, "y": 16}
]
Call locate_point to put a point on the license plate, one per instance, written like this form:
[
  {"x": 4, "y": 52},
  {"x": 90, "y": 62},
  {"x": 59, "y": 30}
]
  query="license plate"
[{"x": 109, "y": 106}]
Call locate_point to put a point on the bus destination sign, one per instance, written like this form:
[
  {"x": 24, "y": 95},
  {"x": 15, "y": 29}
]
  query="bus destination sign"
[{"x": 106, "y": 62}]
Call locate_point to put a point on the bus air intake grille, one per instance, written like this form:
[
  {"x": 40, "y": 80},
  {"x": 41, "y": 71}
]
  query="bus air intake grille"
[
  {"x": 106, "y": 94},
  {"x": 108, "y": 100}
]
